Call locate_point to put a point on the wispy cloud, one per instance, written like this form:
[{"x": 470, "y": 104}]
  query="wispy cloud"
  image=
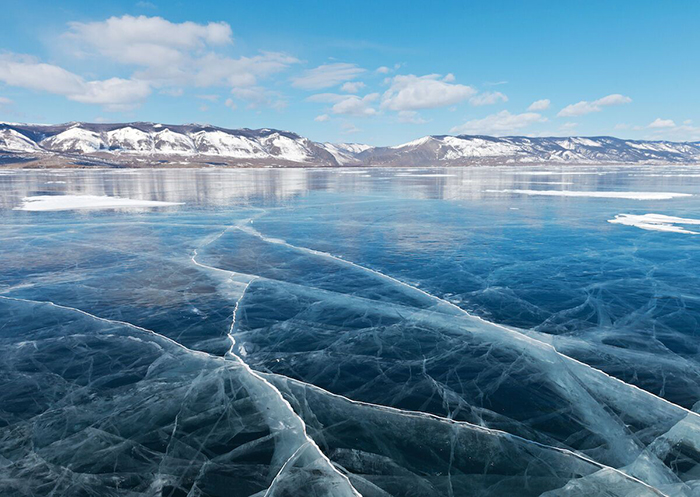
[
  {"x": 539, "y": 105},
  {"x": 488, "y": 98},
  {"x": 498, "y": 124},
  {"x": 350, "y": 105},
  {"x": 584, "y": 107},
  {"x": 326, "y": 76}
]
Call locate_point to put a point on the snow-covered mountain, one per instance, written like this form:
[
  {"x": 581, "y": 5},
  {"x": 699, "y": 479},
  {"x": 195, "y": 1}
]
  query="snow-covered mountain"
[
  {"x": 465, "y": 149},
  {"x": 149, "y": 144}
]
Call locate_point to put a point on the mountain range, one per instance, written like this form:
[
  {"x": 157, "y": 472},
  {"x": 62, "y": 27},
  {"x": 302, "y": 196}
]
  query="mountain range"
[{"x": 141, "y": 144}]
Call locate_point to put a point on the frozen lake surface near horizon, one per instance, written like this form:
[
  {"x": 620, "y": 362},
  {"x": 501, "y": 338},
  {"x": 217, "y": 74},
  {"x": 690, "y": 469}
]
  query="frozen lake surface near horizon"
[{"x": 462, "y": 331}]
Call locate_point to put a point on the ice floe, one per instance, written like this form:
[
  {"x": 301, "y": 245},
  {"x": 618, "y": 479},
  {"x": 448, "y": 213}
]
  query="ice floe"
[
  {"x": 598, "y": 194},
  {"x": 656, "y": 222},
  {"x": 72, "y": 202}
]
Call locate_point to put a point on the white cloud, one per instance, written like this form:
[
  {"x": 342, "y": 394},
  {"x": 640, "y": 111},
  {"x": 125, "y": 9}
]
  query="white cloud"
[
  {"x": 449, "y": 78},
  {"x": 173, "y": 92},
  {"x": 230, "y": 104},
  {"x": 146, "y": 5},
  {"x": 349, "y": 128},
  {"x": 27, "y": 72},
  {"x": 662, "y": 123},
  {"x": 5, "y": 101},
  {"x": 258, "y": 96},
  {"x": 167, "y": 54},
  {"x": 411, "y": 117},
  {"x": 501, "y": 123},
  {"x": 539, "y": 105},
  {"x": 327, "y": 75},
  {"x": 114, "y": 93},
  {"x": 326, "y": 97},
  {"x": 382, "y": 70},
  {"x": 488, "y": 98},
  {"x": 352, "y": 86},
  {"x": 147, "y": 41},
  {"x": 164, "y": 55},
  {"x": 667, "y": 129},
  {"x": 412, "y": 92},
  {"x": 584, "y": 107},
  {"x": 350, "y": 105},
  {"x": 322, "y": 118}
]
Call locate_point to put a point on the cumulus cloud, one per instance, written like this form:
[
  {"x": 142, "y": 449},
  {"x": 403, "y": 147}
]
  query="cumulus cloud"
[
  {"x": 147, "y": 41},
  {"x": 114, "y": 93},
  {"x": 327, "y": 75},
  {"x": 498, "y": 124},
  {"x": 410, "y": 92},
  {"x": 352, "y": 86},
  {"x": 356, "y": 106},
  {"x": 167, "y": 54},
  {"x": 661, "y": 123},
  {"x": 488, "y": 98},
  {"x": 584, "y": 107},
  {"x": 350, "y": 105},
  {"x": 27, "y": 72},
  {"x": 382, "y": 70},
  {"x": 539, "y": 105},
  {"x": 322, "y": 118}
]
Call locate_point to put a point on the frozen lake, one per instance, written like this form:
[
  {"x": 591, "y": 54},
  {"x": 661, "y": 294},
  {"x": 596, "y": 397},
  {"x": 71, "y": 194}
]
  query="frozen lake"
[{"x": 465, "y": 331}]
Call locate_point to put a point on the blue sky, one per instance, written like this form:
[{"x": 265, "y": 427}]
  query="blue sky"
[{"x": 379, "y": 72}]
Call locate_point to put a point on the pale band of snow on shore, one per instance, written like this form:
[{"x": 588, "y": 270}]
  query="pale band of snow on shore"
[
  {"x": 74, "y": 202},
  {"x": 598, "y": 194},
  {"x": 657, "y": 222}
]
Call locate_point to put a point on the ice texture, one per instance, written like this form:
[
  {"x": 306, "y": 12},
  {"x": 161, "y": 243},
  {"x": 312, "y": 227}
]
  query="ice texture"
[{"x": 289, "y": 333}]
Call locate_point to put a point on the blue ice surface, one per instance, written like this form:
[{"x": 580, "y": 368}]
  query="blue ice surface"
[{"x": 344, "y": 332}]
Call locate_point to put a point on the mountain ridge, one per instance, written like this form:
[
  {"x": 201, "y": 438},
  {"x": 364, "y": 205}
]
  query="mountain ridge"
[{"x": 147, "y": 144}]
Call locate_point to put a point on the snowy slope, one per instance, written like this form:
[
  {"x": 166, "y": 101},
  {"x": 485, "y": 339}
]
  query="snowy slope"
[{"x": 13, "y": 141}]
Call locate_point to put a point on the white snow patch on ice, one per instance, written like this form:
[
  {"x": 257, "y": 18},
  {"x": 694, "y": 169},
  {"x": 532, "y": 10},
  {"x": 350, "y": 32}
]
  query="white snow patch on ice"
[
  {"x": 435, "y": 175},
  {"x": 574, "y": 193},
  {"x": 657, "y": 222},
  {"x": 72, "y": 202}
]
